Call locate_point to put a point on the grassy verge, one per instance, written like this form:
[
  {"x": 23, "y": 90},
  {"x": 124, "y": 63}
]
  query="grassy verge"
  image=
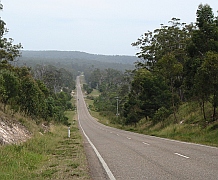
[
  {"x": 189, "y": 128},
  {"x": 46, "y": 156}
]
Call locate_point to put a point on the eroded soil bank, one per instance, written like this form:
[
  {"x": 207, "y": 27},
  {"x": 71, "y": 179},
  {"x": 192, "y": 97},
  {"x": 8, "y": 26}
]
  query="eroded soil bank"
[{"x": 12, "y": 131}]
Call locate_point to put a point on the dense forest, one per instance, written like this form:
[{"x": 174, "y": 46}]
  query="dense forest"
[{"x": 178, "y": 63}]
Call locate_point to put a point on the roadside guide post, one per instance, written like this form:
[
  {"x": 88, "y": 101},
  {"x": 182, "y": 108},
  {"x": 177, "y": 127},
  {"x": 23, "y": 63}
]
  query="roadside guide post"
[
  {"x": 117, "y": 114},
  {"x": 68, "y": 132}
]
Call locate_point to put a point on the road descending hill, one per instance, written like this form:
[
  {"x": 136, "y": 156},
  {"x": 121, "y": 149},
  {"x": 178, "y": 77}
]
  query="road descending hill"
[{"x": 126, "y": 155}]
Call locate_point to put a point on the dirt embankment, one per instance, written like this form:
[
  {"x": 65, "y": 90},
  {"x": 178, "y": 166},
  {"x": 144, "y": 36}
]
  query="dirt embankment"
[{"x": 11, "y": 131}]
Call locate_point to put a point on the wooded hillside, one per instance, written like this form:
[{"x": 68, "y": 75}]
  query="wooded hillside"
[{"x": 76, "y": 61}]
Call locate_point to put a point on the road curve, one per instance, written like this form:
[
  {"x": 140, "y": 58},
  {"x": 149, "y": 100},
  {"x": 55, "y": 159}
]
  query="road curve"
[{"x": 127, "y": 155}]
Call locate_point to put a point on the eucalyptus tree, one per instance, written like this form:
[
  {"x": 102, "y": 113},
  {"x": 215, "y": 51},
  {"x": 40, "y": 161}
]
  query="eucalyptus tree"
[
  {"x": 149, "y": 93},
  {"x": 157, "y": 45},
  {"x": 8, "y": 51},
  {"x": 171, "y": 70},
  {"x": 67, "y": 80},
  {"x": 202, "y": 49},
  {"x": 206, "y": 83},
  {"x": 168, "y": 39},
  {"x": 95, "y": 79},
  {"x": 52, "y": 78},
  {"x": 205, "y": 37}
]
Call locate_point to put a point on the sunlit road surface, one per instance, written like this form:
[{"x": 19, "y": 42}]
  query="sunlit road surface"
[{"x": 126, "y": 155}]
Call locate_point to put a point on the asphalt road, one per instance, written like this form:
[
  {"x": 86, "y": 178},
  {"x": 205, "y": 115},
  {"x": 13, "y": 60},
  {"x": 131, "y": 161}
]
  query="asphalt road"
[{"x": 126, "y": 155}]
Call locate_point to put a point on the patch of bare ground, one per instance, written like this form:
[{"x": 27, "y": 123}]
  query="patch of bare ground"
[{"x": 11, "y": 130}]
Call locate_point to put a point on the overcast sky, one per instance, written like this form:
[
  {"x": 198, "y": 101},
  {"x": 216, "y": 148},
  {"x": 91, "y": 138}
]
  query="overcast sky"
[{"x": 94, "y": 26}]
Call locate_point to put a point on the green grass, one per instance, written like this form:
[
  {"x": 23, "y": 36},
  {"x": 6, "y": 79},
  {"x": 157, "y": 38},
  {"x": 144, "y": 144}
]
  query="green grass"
[
  {"x": 95, "y": 93},
  {"x": 191, "y": 127},
  {"x": 188, "y": 133},
  {"x": 89, "y": 102},
  {"x": 16, "y": 162},
  {"x": 49, "y": 156}
]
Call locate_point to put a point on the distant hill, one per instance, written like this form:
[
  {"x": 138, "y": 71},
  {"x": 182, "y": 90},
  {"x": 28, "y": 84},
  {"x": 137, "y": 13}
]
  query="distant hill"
[
  {"x": 72, "y": 55},
  {"x": 76, "y": 61}
]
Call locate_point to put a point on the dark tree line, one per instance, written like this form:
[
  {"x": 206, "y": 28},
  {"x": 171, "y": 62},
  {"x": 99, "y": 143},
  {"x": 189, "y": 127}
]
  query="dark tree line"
[{"x": 177, "y": 63}]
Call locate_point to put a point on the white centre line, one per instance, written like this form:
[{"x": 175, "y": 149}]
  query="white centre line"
[
  {"x": 145, "y": 143},
  {"x": 118, "y": 135},
  {"x": 128, "y": 138},
  {"x": 182, "y": 155}
]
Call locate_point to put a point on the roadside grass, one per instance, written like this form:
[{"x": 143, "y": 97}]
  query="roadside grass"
[
  {"x": 95, "y": 93},
  {"x": 51, "y": 155},
  {"x": 185, "y": 132},
  {"x": 190, "y": 127},
  {"x": 89, "y": 102}
]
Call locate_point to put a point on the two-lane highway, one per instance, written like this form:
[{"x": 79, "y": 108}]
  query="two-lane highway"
[{"x": 126, "y": 155}]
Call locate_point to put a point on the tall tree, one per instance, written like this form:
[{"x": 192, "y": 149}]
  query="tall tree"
[
  {"x": 148, "y": 93},
  {"x": 207, "y": 81},
  {"x": 171, "y": 70},
  {"x": 168, "y": 39},
  {"x": 205, "y": 37}
]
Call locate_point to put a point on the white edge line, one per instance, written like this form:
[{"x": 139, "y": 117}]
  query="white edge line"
[
  {"x": 182, "y": 142},
  {"x": 109, "y": 173},
  {"x": 105, "y": 166},
  {"x": 182, "y": 155}
]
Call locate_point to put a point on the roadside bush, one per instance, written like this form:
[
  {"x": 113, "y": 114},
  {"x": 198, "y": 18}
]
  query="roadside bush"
[{"x": 161, "y": 114}]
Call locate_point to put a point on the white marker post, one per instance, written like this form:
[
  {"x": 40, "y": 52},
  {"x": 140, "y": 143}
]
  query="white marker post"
[{"x": 68, "y": 132}]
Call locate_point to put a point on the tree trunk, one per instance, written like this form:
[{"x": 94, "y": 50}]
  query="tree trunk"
[
  {"x": 203, "y": 109},
  {"x": 214, "y": 107},
  {"x": 214, "y": 113},
  {"x": 173, "y": 102},
  {"x": 4, "y": 108},
  {"x": 181, "y": 94}
]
